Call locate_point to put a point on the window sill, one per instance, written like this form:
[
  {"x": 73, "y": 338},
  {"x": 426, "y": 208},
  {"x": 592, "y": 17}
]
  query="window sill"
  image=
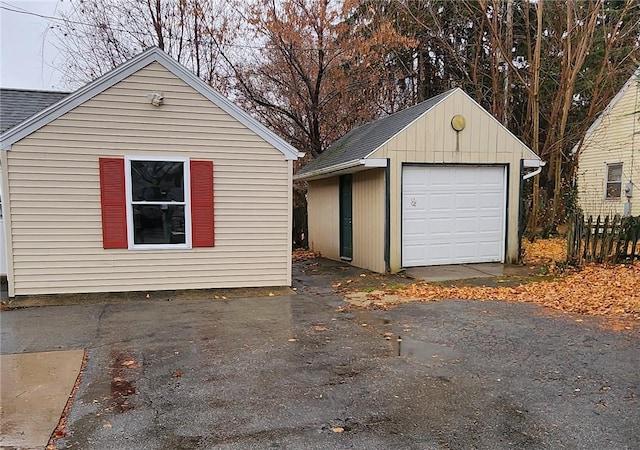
[{"x": 160, "y": 247}]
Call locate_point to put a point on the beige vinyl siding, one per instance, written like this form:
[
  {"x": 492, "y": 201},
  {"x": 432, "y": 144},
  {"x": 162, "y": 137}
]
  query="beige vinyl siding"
[
  {"x": 431, "y": 139},
  {"x": 368, "y": 219},
  {"x": 614, "y": 140},
  {"x": 324, "y": 217},
  {"x": 55, "y": 214}
]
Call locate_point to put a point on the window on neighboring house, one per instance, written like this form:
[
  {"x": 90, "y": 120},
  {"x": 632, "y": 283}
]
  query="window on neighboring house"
[
  {"x": 614, "y": 181},
  {"x": 156, "y": 203},
  {"x": 157, "y": 195}
]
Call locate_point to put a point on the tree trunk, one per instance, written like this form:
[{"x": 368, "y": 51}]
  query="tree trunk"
[
  {"x": 506, "y": 113},
  {"x": 535, "y": 68}
]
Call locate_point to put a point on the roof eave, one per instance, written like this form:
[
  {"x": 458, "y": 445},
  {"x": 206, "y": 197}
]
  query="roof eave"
[{"x": 356, "y": 165}]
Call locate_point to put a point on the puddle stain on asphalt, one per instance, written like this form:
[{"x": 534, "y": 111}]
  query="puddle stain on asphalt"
[
  {"x": 121, "y": 388},
  {"x": 423, "y": 351}
]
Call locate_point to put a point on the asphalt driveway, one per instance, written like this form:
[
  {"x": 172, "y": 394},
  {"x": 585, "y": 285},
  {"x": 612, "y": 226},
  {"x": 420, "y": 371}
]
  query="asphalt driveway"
[{"x": 301, "y": 371}]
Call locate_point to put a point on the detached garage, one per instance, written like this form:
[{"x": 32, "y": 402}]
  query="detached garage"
[{"x": 437, "y": 183}]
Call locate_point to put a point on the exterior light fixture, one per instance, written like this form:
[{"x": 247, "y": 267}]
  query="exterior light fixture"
[
  {"x": 458, "y": 122},
  {"x": 155, "y": 98}
]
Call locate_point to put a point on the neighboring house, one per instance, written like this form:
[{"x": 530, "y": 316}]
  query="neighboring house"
[
  {"x": 608, "y": 174},
  {"x": 437, "y": 183},
  {"x": 145, "y": 179},
  {"x": 17, "y": 105}
]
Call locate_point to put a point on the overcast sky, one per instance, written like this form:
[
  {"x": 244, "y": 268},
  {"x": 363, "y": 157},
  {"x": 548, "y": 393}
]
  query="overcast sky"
[{"x": 28, "y": 57}]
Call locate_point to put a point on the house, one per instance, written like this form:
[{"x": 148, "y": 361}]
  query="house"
[
  {"x": 608, "y": 170},
  {"x": 437, "y": 183},
  {"x": 145, "y": 179}
]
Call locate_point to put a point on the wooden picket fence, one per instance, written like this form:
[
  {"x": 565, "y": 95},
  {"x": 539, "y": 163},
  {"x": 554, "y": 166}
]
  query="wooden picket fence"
[{"x": 616, "y": 240}]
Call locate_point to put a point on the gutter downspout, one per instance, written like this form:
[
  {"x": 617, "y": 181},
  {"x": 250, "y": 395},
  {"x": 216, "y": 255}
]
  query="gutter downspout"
[
  {"x": 535, "y": 172},
  {"x": 387, "y": 216}
]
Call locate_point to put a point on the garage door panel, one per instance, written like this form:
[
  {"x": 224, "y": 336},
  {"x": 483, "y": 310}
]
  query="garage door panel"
[
  {"x": 491, "y": 200},
  {"x": 441, "y": 252},
  {"x": 453, "y": 214},
  {"x": 440, "y": 226},
  {"x": 440, "y": 202},
  {"x": 465, "y": 225},
  {"x": 466, "y": 200},
  {"x": 486, "y": 249},
  {"x": 418, "y": 204},
  {"x": 464, "y": 251},
  {"x": 414, "y": 182},
  {"x": 491, "y": 225},
  {"x": 437, "y": 179},
  {"x": 413, "y": 253},
  {"x": 416, "y": 231}
]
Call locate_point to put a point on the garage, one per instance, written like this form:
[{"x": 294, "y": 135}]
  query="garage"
[
  {"x": 453, "y": 214},
  {"x": 427, "y": 185}
]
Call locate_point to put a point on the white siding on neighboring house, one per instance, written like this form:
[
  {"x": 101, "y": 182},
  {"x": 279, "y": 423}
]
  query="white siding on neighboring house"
[
  {"x": 54, "y": 190},
  {"x": 615, "y": 138}
]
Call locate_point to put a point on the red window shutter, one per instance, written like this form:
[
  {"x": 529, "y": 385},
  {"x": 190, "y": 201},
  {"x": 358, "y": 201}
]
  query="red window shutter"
[
  {"x": 114, "y": 203},
  {"x": 202, "y": 226}
]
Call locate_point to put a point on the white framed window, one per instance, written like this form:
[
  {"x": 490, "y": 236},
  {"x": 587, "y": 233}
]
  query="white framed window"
[
  {"x": 613, "y": 189},
  {"x": 158, "y": 202}
]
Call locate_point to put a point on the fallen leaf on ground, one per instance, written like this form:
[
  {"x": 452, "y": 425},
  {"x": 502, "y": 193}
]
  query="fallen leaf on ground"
[
  {"x": 320, "y": 328},
  {"x": 596, "y": 290},
  {"x": 302, "y": 254},
  {"x": 337, "y": 429},
  {"x": 130, "y": 363},
  {"x": 177, "y": 374}
]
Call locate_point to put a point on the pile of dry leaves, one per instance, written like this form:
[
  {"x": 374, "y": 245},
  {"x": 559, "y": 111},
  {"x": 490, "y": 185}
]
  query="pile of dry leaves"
[
  {"x": 301, "y": 254},
  {"x": 595, "y": 290},
  {"x": 544, "y": 251}
]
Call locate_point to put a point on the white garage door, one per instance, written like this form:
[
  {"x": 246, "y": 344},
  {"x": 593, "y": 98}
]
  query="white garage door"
[{"x": 453, "y": 214}]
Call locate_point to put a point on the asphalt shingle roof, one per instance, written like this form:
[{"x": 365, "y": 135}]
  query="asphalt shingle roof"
[
  {"x": 17, "y": 105},
  {"x": 361, "y": 141}
]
